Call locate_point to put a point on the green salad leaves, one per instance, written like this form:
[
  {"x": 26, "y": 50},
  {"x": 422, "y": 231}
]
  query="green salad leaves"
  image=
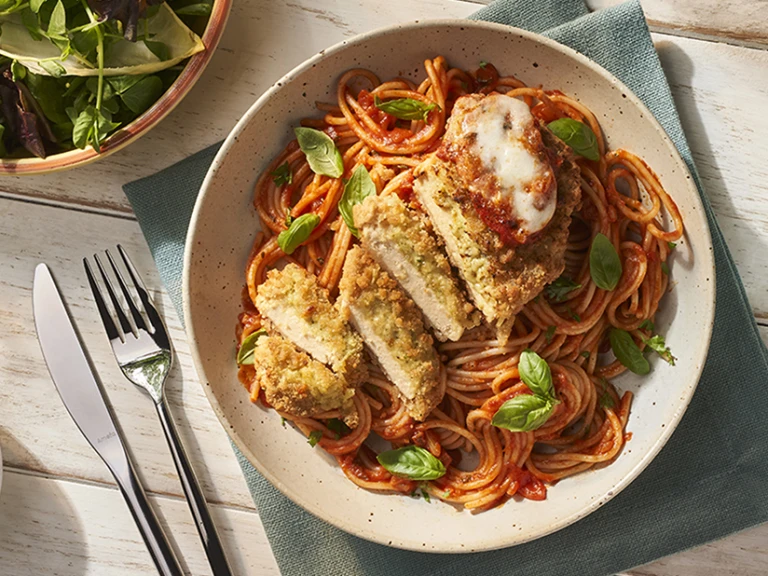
[{"x": 74, "y": 71}]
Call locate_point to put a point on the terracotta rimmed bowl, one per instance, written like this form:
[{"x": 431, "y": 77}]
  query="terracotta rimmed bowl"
[
  {"x": 144, "y": 123},
  {"x": 224, "y": 224}
]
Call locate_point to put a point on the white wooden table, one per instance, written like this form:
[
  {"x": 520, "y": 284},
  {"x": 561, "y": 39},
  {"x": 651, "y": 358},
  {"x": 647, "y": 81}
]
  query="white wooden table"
[{"x": 60, "y": 512}]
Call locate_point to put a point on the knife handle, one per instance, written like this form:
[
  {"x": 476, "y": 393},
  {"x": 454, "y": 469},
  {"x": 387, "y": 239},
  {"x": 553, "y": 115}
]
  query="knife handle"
[
  {"x": 195, "y": 498},
  {"x": 157, "y": 542}
]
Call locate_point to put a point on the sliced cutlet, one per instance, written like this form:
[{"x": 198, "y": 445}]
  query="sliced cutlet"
[
  {"x": 501, "y": 277},
  {"x": 298, "y": 385},
  {"x": 295, "y": 305},
  {"x": 399, "y": 241},
  {"x": 393, "y": 329}
]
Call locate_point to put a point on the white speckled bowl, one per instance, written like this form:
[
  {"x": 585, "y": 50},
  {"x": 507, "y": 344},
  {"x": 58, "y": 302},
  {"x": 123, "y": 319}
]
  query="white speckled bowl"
[{"x": 224, "y": 224}]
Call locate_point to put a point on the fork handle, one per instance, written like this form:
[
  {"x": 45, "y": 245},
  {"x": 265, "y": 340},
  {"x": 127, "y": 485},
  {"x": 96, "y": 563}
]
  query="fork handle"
[
  {"x": 157, "y": 543},
  {"x": 194, "y": 494}
]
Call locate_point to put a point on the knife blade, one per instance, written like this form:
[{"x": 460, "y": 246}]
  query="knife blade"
[
  {"x": 83, "y": 397},
  {"x": 71, "y": 371}
]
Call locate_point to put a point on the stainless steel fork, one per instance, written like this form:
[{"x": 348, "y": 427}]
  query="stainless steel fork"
[{"x": 144, "y": 353}]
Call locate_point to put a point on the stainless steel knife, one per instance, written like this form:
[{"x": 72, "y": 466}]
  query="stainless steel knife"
[{"x": 76, "y": 383}]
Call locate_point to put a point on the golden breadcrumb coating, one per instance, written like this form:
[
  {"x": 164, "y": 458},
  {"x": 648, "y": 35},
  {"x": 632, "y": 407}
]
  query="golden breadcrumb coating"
[
  {"x": 295, "y": 383},
  {"x": 399, "y": 241},
  {"x": 295, "y": 305},
  {"x": 392, "y": 327}
]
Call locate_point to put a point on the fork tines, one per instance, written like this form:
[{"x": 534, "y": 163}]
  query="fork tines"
[{"x": 136, "y": 321}]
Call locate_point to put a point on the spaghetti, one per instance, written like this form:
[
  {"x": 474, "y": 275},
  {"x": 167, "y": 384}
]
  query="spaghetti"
[{"x": 622, "y": 198}]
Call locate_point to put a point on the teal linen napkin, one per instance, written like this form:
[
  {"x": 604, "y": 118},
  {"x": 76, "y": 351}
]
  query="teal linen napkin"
[{"x": 710, "y": 479}]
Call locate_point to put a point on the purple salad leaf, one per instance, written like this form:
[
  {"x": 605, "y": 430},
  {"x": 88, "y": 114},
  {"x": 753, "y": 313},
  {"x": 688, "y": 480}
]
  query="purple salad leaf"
[{"x": 127, "y": 12}]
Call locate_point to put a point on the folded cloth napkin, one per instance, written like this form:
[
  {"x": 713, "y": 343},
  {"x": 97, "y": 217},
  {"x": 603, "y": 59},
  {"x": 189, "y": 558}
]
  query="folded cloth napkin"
[{"x": 710, "y": 479}]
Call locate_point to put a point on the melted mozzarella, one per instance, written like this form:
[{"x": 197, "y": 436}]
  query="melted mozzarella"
[{"x": 501, "y": 125}]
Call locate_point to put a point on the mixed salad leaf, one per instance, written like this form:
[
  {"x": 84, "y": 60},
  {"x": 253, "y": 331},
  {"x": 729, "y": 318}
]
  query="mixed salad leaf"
[{"x": 74, "y": 71}]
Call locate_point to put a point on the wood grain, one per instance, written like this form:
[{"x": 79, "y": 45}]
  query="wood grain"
[
  {"x": 60, "y": 528},
  {"x": 52, "y": 527},
  {"x": 35, "y": 429},
  {"x": 735, "y": 21}
]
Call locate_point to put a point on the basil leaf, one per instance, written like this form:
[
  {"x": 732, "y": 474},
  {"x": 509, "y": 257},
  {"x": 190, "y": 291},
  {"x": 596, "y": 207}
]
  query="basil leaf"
[
  {"x": 245, "y": 354},
  {"x": 523, "y": 413},
  {"x": 559, "y": 289},
  {"x": 535, "y": 372},
  {"x": 35, "y": 5},
  {"x": 357, "y": 189},
  {"x": 627, "y": 352},
  {"x": 665, "y": 268},
  {"x": 57, "y": 25},
  {"x": 143, "y": 94},
  {"x": 338, "y": 427},
  {"x": 658, "y": 344},
  {"x": 585, "y": 354},
  {"x": 322, "y": 155},
  {"x": 282, "y": 175},
  {"x": 405, "y": 108},
  {"x": 671, "y": 245},
  {"x": 412, "y": 462},
  {"x": 577, "y": 135},
  {"x": 314, "y": 437},
  {"x": 52, "y": 67},
  {"x": 604, "y": 263},
  {"x": 549, "y": 334},
  {"x": 297, "y": 232}
]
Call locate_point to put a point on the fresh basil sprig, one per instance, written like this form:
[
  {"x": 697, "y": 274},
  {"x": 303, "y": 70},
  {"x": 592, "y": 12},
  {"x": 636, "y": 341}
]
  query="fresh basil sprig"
[
  {"x": 560, "y": 288},
  {"x": 405, "y": 108},
  {"x": 314, "y": 437},
  {"x": 527, "y": 412},
  {"x": 412, "y": 462},
  {"x": 627, "y": 351},
  {"x": 299, "y": 230},
  {"x": 604, "y": 263},
  {"x": 658, "y": 344},
  {"x": 245, "y": 354},
  {"x": 338, "y": 427},
  {"x": 577, "y": 135},
  {"x": 357, "y": 189},
  {"x": 321, "y": 152},
  {"x": 535, "y": 373},
  {"x": 523, "y": 413},
  {"x": 282, "y": 174}
]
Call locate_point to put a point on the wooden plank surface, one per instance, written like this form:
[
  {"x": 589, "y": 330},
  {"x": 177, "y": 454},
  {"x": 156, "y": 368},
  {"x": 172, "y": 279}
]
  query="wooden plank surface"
[
  {"x": 734, "y": 21},
  {"x": 52, "y": 527},
  {"x": 35, "y": 429},
  {"x": 74, "y": 522}
]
